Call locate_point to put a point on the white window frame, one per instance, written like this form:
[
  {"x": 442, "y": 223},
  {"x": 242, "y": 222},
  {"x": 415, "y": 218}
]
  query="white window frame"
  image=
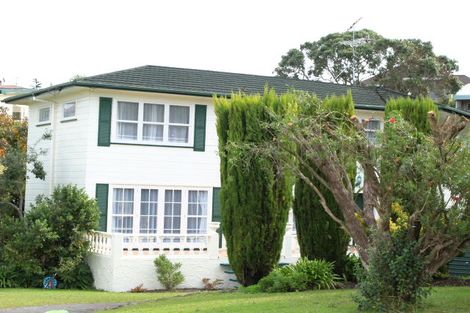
[
  {"x": 39, "y": 115},
  {"x": 140, "y": 123},
  {"x": 160, "y": 209},
  {"x": 366, "y": 130},
  {"x": 72, "y": 117}
]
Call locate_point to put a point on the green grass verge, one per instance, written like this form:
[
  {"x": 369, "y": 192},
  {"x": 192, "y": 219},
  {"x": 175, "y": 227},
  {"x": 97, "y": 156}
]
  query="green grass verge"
[
  {"x": 11, "y": 298},
  {"x": 443, "y": 300}
]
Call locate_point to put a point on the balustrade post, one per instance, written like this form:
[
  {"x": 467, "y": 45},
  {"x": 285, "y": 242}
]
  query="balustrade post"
[
  {"x": 116, "y": 245},
  {"x": 213, "y": 240}
]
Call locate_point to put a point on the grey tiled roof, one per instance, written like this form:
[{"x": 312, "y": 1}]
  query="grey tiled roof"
[
  {"x": 191, "y": 81},
  {"x": 207, "y": 83}
]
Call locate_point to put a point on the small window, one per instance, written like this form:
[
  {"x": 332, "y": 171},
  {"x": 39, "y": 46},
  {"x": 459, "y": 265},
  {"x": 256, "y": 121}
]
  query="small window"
[
  {"x": 371, "y": 128},
  {"x": 69, "y": 110},
  {"x": 44, "y": 115},
  {"x": 16, "y": 116}
]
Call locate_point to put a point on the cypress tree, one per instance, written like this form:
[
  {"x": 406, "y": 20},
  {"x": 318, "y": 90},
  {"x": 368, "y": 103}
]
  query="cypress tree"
[
  {"x": 255, "y": 195},
  {"x": 415, "y": 111},
  {"x": 319, "y": 236}
]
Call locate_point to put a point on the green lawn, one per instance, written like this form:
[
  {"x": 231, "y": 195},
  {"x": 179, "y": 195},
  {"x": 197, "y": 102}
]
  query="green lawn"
[
  {"x": 443, "y": 300},
  {"x": 10, "y": 298}
]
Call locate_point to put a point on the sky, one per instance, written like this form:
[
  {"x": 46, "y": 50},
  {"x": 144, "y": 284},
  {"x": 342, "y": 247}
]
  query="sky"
[{"x": 54, "y": 41}]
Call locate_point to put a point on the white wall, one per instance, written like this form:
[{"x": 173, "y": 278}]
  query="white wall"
[{"x": 151, "y": 165}]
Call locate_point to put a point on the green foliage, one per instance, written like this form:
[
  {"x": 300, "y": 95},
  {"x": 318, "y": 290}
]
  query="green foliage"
[
  {"x": 255, "y": 195},
  {"x": 395, "y": 280},
  {"x": 405, "y": 65},
  {"x": 16, "y": 163},
  {"x": 168, "y": 273},
  {"x": 319, "y": 236},
  {"x": 332, "y": 57},
  {"x": 303, "y": 275},
  {"x": 50, "y": 239},
  {"x": 352, "y": 268},
  {"x": 76, "y": 276},
  {"x": 415, "y": 111}
]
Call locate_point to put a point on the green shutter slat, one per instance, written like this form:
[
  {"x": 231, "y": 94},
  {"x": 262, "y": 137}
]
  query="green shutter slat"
[
  {"x": 102, "y": 199},
  {"x": 104, "y": 124},
  {"x": 216, "y": 208},
  {"x": 200, "y": 128}
]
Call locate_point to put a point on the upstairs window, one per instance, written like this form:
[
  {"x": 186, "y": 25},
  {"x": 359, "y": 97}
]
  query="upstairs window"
[
  {"x": 69, "y": 110},
  {"x": 45, "y": 115},
  {"x": 153, "y": 123}
]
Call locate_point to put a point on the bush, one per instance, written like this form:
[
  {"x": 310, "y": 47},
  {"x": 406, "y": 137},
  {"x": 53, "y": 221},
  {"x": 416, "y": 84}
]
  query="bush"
[
  {"x": 304, "y": 275},
  {"x": 394, "y": 281},
  {"x": 352, "y": 267},
  {"x": 76, "y": 276},
  {"x": 51, "y": 239},
  {"x": 168, "y": 273}
]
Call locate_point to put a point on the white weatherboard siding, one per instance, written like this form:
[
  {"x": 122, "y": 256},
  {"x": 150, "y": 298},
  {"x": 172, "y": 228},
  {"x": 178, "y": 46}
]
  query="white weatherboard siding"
[
  {"x": 65, "y": 157},
  {"x": 137, "y": 164}
]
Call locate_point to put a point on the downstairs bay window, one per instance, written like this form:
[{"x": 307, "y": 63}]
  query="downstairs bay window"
[{"x": 169, "y": 212}]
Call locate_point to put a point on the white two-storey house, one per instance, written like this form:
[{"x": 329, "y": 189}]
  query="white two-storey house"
[{"x": 143, "y": 142}]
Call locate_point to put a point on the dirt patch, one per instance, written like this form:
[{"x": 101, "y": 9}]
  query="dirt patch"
[{"x": 451, "y": 281}]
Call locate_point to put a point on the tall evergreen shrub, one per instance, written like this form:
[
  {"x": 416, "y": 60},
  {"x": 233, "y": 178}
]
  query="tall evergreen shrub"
[
  {"x": 414, "y": 111},
  {"x": 255, "y": 196},
  {"x": 319, "y": 236}
]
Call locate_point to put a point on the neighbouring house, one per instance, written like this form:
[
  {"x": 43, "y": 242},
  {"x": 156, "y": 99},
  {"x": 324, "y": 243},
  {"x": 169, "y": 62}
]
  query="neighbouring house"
[
  {"x": 462, "y": 98},
  {"x": 143, "y": 142},
  {"x": 18, "y": 112}
]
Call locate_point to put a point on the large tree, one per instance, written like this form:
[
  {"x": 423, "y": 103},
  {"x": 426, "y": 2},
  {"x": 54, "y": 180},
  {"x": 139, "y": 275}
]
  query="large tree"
[
  {"x": 255, "y": 194},
  {"x": 357, "y": 57},
  {"x": 16, "y": 163}
]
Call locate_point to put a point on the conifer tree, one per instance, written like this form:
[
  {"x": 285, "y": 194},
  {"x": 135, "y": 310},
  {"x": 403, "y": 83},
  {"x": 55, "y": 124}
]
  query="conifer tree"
[
  {"x": 319, "y": 236},
  {"x": 255, "y": 196}
]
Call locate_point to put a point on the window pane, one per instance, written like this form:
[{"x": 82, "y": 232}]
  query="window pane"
[
  {"x": 153, "y": 132},
  {"x": 127, "y": 130},
  {"x": 179, "y": 114},
  {"x": 178, "y": 133},
  {"x": 172, "y": 219},
  {"x": 44, "y": 114},
  {"x": 148, "y": 211},
  {"x": 154, "y": 112},
  {"x": 373, "y": 125},
  {"x": 128, "y": 111},
  {"x": 69, "y": 109},
  {"x": 197, "y": 212},
  {"x": 123, "y": 210}
]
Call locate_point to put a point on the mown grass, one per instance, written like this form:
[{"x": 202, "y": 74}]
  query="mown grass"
[
  {"x": 442, "y": 300},
  {"x": 11, "y": 298}
]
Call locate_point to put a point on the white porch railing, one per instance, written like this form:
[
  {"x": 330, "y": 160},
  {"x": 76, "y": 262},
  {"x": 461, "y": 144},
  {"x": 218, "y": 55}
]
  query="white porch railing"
[{"x": 117, "y": 244}]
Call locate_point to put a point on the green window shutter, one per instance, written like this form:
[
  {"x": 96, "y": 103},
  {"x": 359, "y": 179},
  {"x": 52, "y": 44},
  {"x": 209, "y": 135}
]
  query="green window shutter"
[
  {"x": 200, "y": 128},
  {"x": 216, "y": 207},
  {"x": 104, "y": 126},
  {"x": 102, "y": 199}
]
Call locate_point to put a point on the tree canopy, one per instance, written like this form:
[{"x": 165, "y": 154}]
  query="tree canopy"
[{"x": 409, "y": 66}]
